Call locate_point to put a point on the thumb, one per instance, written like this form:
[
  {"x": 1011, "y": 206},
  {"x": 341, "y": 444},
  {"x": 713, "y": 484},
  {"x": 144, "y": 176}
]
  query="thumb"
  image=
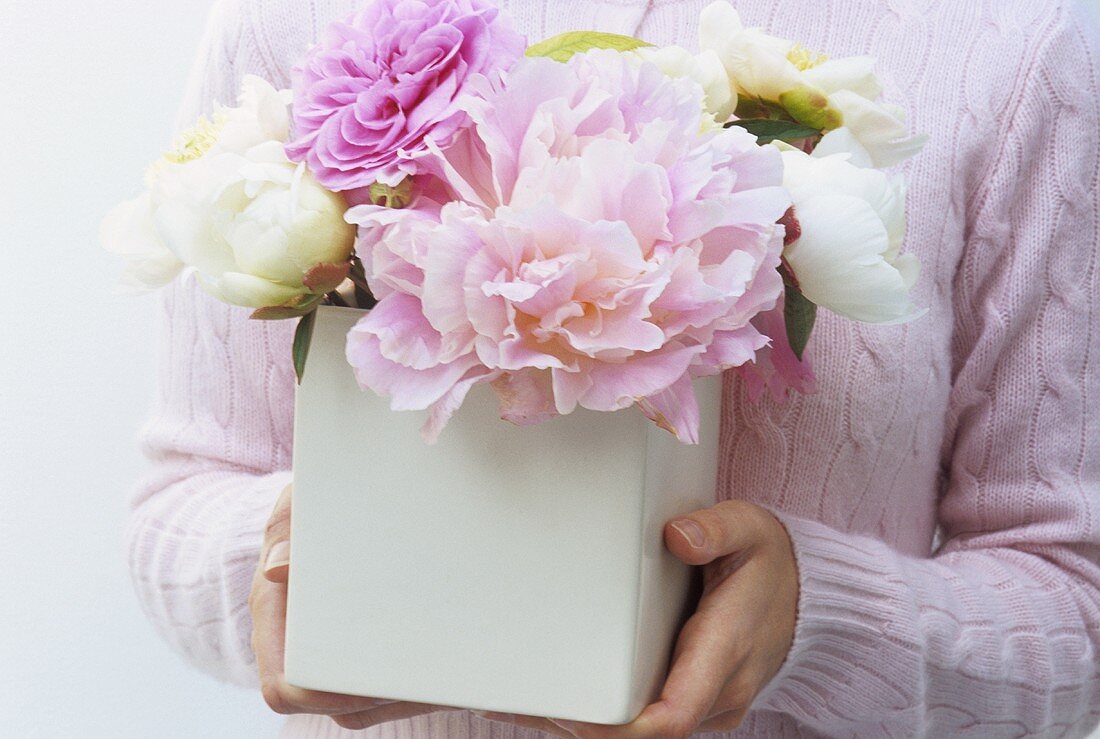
[
  {"x": 275, "y": 555},
  {"x": 703, "y": 536}
]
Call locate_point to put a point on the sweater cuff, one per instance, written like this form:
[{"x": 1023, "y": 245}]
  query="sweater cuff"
[{"x": 847, "y": 636}]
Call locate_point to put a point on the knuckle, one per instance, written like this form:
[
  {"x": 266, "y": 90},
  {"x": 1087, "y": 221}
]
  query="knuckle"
[
  {"x": 740, "y": 652},
  {"x": 678, "y": 727},
  {"x": 762, "y": 522},
  {"x": 735, "y": 721},
  {"x": 752, "y": 523},
  {"x": 275, "y": 528},
  {"x": 679, "y": 724},
  {"x": 743, "y": 511},
  {"x": 692, "y": 629},
  {"x": 276, "y": 698},
  {"x": 257, "y": 599},
  {"x": 735, "y": 508},
  {"x": 351, "y": 721},
  {"x": 739, "y": 694},
  {"x": 717, "y": 571},
  {"x": 729, "y": 722}
]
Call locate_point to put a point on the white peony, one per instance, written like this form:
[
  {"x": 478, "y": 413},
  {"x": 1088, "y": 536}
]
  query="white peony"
[
  {"x": 852, "y": 220},
  {"x": 228, "y": 206},
  {"x": 705, "y": 68},
  {"x": 838, "y": 96}
]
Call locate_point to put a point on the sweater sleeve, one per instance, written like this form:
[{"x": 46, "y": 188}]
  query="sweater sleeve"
[
  {"x": 998, "y": 632},
  {"x": 219, "y": 440}
]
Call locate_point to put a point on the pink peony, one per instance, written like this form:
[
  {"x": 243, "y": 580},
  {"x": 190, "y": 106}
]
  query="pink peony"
[
  {"x": 384, "y": 84},
  {"x": 776, "y": 369},
  {"x": 596, "y": 244}
]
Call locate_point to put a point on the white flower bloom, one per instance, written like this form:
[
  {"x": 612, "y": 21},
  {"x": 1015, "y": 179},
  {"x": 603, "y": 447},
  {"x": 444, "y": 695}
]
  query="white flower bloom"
[
  {"x": 848, "y": 258},
  {"x": 873, "y": 133},
  {"x": 756, "y": 63},
  {"x": 128, "y": 231},
  {"x": 705, "y": 68},
  {"x": 230, "y": 207},
  {"x": 828, "y": 94}
]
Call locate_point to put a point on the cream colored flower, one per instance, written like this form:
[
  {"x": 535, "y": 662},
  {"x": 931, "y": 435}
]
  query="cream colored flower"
[
  {"x": 833, "y": 95},
  {"x": 705, "y": 68},
  {"x": 227, "y": 205}
]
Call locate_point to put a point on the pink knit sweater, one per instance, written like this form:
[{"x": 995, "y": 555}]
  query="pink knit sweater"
[{"x": 942, "y": 490}]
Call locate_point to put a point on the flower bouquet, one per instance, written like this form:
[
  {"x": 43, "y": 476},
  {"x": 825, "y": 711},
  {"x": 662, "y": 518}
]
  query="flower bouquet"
[{"x": 555, "y": 250}]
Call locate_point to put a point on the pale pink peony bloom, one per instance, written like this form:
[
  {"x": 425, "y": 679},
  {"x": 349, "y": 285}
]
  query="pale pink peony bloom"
[
  {"x": 591, "y": 241},
  {"x": 776, "y": 370}
]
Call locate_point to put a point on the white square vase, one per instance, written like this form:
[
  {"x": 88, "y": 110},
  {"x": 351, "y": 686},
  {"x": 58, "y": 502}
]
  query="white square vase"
[{"x": 505, "y": 568}]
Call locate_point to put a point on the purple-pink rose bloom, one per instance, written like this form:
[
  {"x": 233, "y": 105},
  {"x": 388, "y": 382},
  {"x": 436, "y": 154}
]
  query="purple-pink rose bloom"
[
  {"x": 600, "y": 246},
  {"x": 384, "y": 83}
]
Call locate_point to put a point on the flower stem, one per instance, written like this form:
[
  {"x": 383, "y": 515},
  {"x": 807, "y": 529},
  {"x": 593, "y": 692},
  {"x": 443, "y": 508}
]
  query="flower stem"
[
  {"x": 363, "y": 295},
  {"x": 336, "y": 298}
]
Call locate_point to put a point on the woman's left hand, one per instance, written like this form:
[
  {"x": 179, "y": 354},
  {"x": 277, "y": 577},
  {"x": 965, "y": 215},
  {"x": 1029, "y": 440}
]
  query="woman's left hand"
[{"x": 738, "y": 637}]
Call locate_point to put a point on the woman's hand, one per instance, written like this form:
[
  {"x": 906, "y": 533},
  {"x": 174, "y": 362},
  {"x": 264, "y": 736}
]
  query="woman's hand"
[
  {"x": 739, "y": 636},
  {"x": 268, "y": 605}
]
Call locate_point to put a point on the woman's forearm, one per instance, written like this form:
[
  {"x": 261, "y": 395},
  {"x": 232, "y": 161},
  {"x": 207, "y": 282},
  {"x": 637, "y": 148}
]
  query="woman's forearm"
[
  {"x": 193, "y": 545},
  {"x": 996, "y": 640}
]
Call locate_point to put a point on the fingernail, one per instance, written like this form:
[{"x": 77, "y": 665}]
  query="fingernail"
[
  {"x": 277, "y": 556},
  {"x": 691, "y": 531}
]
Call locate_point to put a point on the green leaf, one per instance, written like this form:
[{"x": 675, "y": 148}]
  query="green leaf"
[
  {"x": 303, "y": 335},
  {"x": 560, "y": 48},
  {"x": 296, "y": 308},
  {"x": 799, "y": 315},
  {"x": 276, "y": 313},
  {"x": 364, "y": 298},
  {"x": 768, "y": 130}
]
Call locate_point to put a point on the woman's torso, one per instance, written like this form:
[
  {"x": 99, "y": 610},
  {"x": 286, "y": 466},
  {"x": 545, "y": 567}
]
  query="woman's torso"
[{"x": 863, "y": 454}]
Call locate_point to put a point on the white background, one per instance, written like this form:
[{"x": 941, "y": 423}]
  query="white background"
[
  {"x": 88, "y": 95},
  {"x": 88, "y": 92}
]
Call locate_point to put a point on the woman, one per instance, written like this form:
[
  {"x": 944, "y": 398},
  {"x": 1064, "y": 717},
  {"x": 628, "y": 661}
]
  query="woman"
[{"x": 914, "y": 550}]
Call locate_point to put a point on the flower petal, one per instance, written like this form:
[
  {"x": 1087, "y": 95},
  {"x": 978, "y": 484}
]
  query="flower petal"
[
  {"x": 675, "y": 409},
  {"x": 248, "y": 291}
]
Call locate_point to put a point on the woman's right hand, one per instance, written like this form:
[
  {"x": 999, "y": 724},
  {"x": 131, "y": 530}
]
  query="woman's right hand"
[{"x": 268, "y": 605}]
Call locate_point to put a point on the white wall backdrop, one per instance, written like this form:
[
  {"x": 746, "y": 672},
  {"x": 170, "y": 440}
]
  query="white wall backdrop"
[{"x": 88, "y": 91}]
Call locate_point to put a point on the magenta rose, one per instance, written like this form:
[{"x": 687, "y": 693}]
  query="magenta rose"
[{"x": 384, "y": 83}]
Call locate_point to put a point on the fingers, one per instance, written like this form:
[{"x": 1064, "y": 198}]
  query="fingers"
[
  {"x": 705, "y": 656},
  {"x": 728, "y": 721},
  {"x": 537, "y": 723},
  {"x": 268, "y": 606},
  {"x": 275, "y": 555},
  {"x": 707, "y": 653},
  {"x": 716, "y": 670},
  {"x": 393, "y": 711},
  {"x": 733, "y": 703},
  {"x": 730, "y": 527}
]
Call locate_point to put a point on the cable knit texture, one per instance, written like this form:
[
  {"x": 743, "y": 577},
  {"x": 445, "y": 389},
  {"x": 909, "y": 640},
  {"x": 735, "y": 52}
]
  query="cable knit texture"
[{"x": 942, "y": 490}]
